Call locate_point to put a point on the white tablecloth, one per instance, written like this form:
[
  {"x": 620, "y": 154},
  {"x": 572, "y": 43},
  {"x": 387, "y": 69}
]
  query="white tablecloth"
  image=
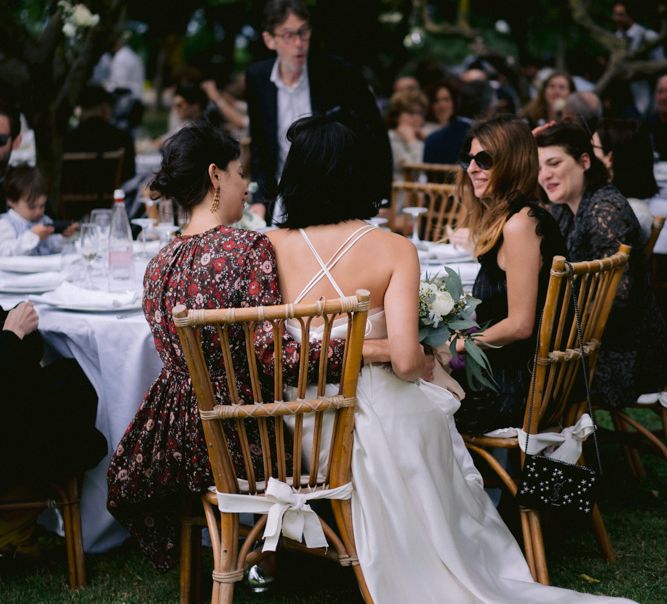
[{"x": 120, "y": 360}]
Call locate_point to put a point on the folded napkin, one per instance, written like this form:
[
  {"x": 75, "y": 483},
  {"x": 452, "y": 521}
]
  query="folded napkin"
[
  {"x": 72, "y": 296},
  {"x": 35, "y": 282},
  {"x": 30, "y": 264}
]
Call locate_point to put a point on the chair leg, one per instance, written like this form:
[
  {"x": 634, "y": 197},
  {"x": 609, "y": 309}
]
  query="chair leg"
[
  {"x": 602, "y": 535},
  {"x": 226, "y": 562},
  {"x": 185, "y": 572},
  {"x": 527, "y": 542},
  {"x": 631, "y": 454},
  {"x": 196, "y": 562},
  {"x": 538, "y": 547},
  {"x": 73, "y": 538}
]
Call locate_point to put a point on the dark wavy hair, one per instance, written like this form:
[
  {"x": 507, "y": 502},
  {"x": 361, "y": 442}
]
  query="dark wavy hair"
[
  {"x": 186, "y": 156},
  {"x": 277, "y": 11},
  {"x": 327, "y": 176},
  {"x": 576, "y": 141},
  {"x": 632, "y": 159}
]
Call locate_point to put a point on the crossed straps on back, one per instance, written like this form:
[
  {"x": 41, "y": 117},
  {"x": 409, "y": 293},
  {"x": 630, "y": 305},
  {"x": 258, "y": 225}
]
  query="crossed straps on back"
[{"x": 325, "y": 270}]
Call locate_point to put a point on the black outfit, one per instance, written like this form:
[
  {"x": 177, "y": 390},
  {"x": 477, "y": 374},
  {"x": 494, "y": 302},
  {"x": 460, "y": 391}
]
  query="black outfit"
[
  {"x": 484, "y": 411},
  {"x": 96, "y": 135},
  {"x": 47, "y": 414},
  {"x": 633, "y": 355},
  {"x": 444, "y": 145},
  {"x": 658, "y": 130},
  {"x": 333, "y": 85}
]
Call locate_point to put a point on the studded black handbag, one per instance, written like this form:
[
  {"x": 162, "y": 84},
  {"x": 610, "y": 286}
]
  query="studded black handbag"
[{"x": 552, "y": 483}]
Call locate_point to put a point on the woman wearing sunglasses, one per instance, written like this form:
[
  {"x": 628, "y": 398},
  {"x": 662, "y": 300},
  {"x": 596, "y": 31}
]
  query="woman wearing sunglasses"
[{"x": 514, "y": 239}]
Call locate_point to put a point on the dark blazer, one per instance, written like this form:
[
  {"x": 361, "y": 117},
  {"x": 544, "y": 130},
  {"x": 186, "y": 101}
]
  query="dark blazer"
[
  {"x": 444, "y": 145},
  {"x": 332, "y": 84}
]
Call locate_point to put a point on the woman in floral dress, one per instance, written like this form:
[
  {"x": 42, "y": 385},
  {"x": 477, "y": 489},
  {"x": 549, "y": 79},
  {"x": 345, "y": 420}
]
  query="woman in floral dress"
[{"x": 162, "y": 458}]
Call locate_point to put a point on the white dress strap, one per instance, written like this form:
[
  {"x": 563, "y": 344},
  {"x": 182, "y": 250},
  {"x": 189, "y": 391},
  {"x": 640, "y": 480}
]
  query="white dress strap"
[{"x": 325, "y": 270}]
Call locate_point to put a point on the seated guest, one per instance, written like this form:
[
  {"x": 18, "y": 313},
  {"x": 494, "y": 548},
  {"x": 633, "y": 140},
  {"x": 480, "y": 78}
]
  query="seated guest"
[
  {"x": 515, "y": 240},
  {"x": 25, "y": 230},
  {"x": 595, "y": 219},
  {"x": 95, "y": 132},
  {"x": 47, "y": 424},
  {"x": 625, "y": 149},
  {"x": 477, "y": 100},
  {"x": 550, "y": 100},
  {"x": 585, "y": 105},
  {"x": 658, "y": 122},
  {"x": 443, "y": 145},
  {"x": 405, "y": 119},
  {"x": 162, "y": 460}
]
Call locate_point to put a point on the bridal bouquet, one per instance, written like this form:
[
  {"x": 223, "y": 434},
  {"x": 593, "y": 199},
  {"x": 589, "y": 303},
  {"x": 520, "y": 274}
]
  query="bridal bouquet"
[{"x": 446, "y": 311}]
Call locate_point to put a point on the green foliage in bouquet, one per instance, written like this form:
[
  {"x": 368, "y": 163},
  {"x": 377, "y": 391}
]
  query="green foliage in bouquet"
[{"x": 445, "y": 310}]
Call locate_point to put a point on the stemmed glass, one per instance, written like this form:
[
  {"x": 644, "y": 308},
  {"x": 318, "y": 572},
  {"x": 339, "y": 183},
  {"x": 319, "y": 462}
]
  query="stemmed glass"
[
  {"x": 377, "y": 221},
  {"x": 166, "y": 224},
  {"x": 415, "y": 213},
  {"x": 89, "y": 244},
  {"x": 145, "y": 224},
  {"x": 102, "y": 218}
]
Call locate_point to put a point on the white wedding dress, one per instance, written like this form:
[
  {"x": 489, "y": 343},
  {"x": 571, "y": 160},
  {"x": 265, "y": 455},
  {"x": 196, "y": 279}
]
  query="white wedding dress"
[{"x": 424, "y": 528}]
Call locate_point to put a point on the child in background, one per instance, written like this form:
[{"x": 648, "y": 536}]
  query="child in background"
[{"x": 24, "y": 229}]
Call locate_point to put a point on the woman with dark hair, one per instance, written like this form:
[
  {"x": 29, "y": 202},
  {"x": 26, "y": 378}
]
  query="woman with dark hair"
[
  {"x": 550, "y": 100},
  {"x": 515, "y": 239},
  {"x": 624, "y": 147},
  {"x": 162, "y": 459},
  {"x": 447, "y": 132},
  {"x": 595, "y": 219},
  {"x": 422, "y": 521}
]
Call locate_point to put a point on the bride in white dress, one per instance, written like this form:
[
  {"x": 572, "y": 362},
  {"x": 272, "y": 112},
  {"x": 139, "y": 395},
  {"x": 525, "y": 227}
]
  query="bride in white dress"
[{"x": 424, "y": 528}]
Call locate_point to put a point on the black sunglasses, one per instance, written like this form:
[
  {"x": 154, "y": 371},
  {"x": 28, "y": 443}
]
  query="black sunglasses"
[
  {"x": 483, "y": 159},
  {"x": 4, "y": 138}
]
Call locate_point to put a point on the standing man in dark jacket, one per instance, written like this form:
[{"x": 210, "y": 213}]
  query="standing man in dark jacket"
[{"x": 294, "y": 85}]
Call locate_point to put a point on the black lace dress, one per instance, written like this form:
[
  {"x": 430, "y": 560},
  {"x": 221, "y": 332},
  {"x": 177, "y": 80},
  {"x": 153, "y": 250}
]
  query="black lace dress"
[
  {"x": 484, "y": 411},
  {"x": 633, "y": 356}
]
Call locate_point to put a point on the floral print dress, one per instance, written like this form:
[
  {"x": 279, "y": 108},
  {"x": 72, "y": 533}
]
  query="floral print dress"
[{"x": 162, "y": 458}]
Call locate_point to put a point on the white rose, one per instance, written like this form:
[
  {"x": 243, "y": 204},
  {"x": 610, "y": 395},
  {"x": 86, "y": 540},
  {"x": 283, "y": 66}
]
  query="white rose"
[{"x": 443, "y": 304}]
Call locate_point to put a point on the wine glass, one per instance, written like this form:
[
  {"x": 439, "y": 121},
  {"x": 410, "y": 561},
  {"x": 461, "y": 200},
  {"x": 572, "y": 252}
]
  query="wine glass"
[
  {"x": 165, "y": 212},
  {"x": 377, "y": 221},
  {"x": 415, "y": 213},
  {"x": 145, "y": 224},
  {"x": 89, "y": 245},
  {"x": 102, "y": 218}
]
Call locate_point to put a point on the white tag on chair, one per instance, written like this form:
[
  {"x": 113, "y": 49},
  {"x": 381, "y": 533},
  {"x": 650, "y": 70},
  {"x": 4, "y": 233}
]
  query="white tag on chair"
[
  {"x": 565, "y": 445},
  {"x": 288, "y": 512}
]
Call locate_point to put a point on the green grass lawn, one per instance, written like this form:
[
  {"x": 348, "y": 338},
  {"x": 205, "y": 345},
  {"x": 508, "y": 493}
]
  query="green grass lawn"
[{"x": 635, "y": 513}]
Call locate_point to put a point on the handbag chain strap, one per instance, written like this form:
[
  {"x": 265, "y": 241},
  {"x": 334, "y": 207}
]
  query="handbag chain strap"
[{"x": 584, "y": 368}]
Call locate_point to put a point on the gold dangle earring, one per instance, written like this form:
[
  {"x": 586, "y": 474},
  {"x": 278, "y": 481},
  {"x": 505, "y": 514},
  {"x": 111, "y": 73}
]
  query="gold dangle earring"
[{"x": 216, "y": 201}]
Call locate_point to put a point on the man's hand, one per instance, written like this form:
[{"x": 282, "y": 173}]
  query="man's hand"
[
  {"x": 71, "y": 229},
  {"x": 42, "y": 231},
  {"x": 22, "y": 320}
]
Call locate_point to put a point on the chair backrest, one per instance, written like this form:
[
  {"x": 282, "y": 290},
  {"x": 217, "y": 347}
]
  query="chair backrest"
[
  {"x": 88, "y": 181},
  {"x": 444, "y": 207},
  {"x": 656, "y": 228},
  {"x": 265, "y": 418},
  {"x": 437, "y": 173},
  {"x": 558, "y": 354}
]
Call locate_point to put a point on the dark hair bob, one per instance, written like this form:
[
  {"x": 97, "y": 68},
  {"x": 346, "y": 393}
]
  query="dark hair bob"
[
  {"x": 186, "y": 156},
  {"x": 328, "y": 174}
]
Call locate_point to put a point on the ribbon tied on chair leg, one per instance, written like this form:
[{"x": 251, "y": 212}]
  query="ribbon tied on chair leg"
[{"x": 288, "y": 512}]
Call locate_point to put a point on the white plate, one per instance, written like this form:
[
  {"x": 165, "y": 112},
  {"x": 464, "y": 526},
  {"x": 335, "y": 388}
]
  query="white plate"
[
  {"x": 30, "y": 264},
  {"x": 25, "y": 289}
]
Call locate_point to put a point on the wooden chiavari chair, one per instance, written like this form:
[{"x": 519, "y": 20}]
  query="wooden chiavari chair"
[
  {"x": 272, "y": 453},
  {"x": 558, "y": 365},
  {"x": 444, "y": 208}
]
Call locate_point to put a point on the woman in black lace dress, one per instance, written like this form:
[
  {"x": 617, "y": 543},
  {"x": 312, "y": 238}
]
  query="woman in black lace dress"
[
  {"x": 595, "y": 219},
  {"x": 515, "y": 239}
]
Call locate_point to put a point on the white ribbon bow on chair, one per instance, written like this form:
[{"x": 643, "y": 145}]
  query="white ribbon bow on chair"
[
  {"x": 570, "y": 440},
  {"x": 288, "y": 512}
]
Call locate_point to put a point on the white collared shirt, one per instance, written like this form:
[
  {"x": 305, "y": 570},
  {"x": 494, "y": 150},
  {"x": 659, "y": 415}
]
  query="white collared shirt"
[
  {"x": 17, "y": 238},
  {"x": 293, "y": 103}
]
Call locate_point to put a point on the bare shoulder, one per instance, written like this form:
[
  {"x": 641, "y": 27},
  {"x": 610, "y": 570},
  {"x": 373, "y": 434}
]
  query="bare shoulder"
[
  {"x": 276, "y": 236},
  {"x": 394, "y": 244},
  {"x": 520, "y": 225}
]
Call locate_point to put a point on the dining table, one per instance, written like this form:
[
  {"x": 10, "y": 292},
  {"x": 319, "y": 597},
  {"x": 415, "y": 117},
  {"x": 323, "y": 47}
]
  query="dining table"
[{"x": 114, "y": 347}]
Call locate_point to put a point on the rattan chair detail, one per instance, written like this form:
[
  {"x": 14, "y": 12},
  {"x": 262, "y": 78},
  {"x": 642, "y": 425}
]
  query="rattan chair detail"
[
  {"x": 427, "y": 172},
  {"x": 229, "y": 560},
  {"x": 66, "y": 498},
  {"x": 558, "y": 365},
  {"x": 444, "y": 208}
]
